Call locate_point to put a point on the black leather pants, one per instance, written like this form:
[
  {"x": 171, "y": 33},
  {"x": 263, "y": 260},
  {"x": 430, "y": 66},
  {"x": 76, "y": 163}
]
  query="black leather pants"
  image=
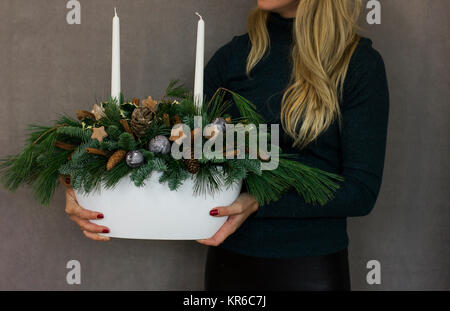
[{"x": 226, "y": 270}]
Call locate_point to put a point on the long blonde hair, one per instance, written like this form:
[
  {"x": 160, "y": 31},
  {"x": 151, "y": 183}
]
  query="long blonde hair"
[{"x": 324, "y": 39}]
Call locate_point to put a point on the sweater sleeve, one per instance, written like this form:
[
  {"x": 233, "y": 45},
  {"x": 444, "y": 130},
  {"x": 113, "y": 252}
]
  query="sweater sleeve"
[{"x": 365, "y": 109}]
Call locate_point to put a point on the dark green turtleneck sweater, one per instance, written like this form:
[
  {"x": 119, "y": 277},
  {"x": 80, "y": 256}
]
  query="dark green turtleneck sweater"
[{"x": 290, "y": 227}]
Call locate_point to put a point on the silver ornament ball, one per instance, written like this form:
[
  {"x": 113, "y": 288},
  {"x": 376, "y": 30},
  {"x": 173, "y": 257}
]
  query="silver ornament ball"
[
  {"x": 159, "y": 144},
  {"x": 220, "y": 123},
  {"x": 134, "y": 158}
]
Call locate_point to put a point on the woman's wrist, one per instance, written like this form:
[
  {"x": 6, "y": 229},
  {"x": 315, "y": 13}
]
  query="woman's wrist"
[{"x": 252, "y": 204}]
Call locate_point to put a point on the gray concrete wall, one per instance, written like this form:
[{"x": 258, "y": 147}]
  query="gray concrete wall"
[{"x": 49, "y": 67}]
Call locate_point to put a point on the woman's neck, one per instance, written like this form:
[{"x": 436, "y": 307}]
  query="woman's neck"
[
  {"x": 280, "y": 28},
  {"x": 289, "y": 11}
]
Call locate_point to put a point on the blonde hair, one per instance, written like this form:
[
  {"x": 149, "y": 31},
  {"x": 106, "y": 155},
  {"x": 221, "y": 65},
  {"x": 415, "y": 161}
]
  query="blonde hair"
[{"x": 324, "y": 39}]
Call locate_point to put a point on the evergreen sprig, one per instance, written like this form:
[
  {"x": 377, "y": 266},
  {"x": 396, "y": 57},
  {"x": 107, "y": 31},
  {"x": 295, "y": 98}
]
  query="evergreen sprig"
[{"x": 177, "y": 90}]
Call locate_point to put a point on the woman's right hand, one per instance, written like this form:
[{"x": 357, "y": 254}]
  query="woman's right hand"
[{"x": 83, "y": 216}]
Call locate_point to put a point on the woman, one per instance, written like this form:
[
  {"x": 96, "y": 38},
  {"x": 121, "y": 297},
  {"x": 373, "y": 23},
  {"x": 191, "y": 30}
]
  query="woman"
[{"x": 304, "y": 66}]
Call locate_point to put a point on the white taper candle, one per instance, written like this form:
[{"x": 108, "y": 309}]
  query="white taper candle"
[
  {"x": 115, "y": 66},
  {"x": 199, "y": 63}
]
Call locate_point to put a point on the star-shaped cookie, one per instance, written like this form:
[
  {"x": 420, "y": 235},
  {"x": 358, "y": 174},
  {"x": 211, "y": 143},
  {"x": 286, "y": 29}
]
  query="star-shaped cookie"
[{"x": 99, "y": 133}]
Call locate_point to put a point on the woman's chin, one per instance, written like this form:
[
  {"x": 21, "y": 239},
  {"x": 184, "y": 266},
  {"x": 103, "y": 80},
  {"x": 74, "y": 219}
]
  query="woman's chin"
[
  {"x": 266, "y": 5},
  {"x": 268, "y": 8}
]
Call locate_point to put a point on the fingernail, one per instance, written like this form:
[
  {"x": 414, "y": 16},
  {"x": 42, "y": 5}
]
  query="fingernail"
[
  {"x": 105, "y": 231},
  {"x": 214, "y": 212},
  {"x": 100, "y": 216}
]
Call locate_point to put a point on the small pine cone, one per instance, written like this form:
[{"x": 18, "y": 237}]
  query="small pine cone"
[
  {"x": 192, "y": 165},
  {"x": 141, "y": 120},
  {"x": 115, "y": 159}
]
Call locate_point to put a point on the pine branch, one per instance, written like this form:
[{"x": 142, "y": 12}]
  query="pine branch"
[
  {"x": 68, "y": 121},
  {"x": 246, "y": 109},
  {"x": 48, "y": 179},
  {"x": 209, "y": 179},
  {"x": 176, "y": 90}
]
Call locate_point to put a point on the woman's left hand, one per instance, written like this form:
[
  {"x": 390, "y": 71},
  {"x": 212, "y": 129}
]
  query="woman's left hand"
[{"x": 238, "y": 212}]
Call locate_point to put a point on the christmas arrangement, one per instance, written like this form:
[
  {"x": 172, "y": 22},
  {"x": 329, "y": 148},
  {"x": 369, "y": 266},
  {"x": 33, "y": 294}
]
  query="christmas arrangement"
[
  {"x": 133, "y": 138},
  {"x": 120, "y": 158}
]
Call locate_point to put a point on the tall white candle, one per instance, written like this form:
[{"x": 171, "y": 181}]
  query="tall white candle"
[
  {"x": 115, "y": 68},
  {"x": 199, "y": 63}
]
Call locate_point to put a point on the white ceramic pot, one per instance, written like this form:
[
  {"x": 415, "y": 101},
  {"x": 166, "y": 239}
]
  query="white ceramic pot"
[{"x": 155, "y": 212}]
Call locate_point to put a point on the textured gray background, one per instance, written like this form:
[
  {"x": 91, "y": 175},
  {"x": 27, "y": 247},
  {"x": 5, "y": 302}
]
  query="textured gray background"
[{"x": 50, "y": 67}]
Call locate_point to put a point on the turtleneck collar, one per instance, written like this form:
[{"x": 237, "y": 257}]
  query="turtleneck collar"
[{"x": 278, "y": 24}]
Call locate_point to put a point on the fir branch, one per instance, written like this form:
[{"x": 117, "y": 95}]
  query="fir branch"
[
  {"x": 156, "y": 129},
  {"x": 139, "y": 175},
  {"x": 113, "y": 132},
  {"x": 112, "y": 177},
  {"x": 175, "y": 175},
  {"x": 126, "y": 142},
  {"x": 112, "y": 114},
  {"x": 87, "y": 172},
  {"x": 160, "y": 165},
  {"x": 83, "y": 135},
  {"x": 148, "y": 155},
  {"x": 109, "y": 145},
  {"x": 187, "y": 107}
]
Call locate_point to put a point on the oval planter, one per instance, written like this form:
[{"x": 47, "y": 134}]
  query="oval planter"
[{"x": 155, "y": 212}]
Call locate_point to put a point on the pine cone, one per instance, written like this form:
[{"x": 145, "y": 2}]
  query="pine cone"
[
  {"x": 192, "y": 165},
  {"x": 141, "y": 119},
  {"x": 115, "y": 159}
]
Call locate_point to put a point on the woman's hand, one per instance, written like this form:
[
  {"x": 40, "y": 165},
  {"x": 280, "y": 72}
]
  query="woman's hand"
[
  {"x": 82, "y": 216},
  {"x": 244, "y": 206}
]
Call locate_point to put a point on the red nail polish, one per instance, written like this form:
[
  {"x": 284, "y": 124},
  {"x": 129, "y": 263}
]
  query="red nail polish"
[
  {"x": 214, "y": 212},
  {"x": 100, "y": 216},
  {"x": 105, "y": 231}
]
